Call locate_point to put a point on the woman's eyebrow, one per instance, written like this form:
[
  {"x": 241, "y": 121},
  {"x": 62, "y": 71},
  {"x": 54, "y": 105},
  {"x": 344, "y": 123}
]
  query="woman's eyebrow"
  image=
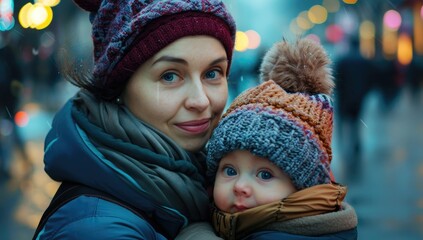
[
  {"x": 183, "y": 61},
  {"x": 170, "y": 59},
  {"x": 221, "y": 59}
]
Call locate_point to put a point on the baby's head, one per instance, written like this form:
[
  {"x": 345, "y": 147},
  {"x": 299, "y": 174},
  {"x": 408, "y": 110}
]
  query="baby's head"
[{"x": 283, "y": 125}]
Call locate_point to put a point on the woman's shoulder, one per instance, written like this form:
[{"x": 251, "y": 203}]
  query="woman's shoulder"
[{"x": 95, "y": 218}]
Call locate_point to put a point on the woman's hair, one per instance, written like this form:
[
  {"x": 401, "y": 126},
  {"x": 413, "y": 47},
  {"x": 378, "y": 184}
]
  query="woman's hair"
[{"x": 79, "y": 74}]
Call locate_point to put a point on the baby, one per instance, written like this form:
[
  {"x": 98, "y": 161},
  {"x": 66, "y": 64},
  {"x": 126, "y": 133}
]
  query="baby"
[{"x": 270, "y": 155}]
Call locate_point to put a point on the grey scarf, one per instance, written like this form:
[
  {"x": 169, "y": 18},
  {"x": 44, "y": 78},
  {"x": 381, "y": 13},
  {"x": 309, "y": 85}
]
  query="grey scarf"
[{"x": 169, "y": 175}]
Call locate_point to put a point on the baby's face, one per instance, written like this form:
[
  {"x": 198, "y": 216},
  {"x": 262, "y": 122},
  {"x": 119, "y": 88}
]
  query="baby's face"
[{"x": 244, "y": 181}]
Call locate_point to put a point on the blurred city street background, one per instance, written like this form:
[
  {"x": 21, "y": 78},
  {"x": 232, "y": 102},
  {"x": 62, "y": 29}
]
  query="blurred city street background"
[{"x": 376, "y": 48}]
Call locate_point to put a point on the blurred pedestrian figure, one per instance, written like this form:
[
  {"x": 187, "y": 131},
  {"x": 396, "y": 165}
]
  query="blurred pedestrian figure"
[
  {"x": 10, "y": 86},
  {"x": 387, "y": 81},
  {"x": 353, "y": 74}
]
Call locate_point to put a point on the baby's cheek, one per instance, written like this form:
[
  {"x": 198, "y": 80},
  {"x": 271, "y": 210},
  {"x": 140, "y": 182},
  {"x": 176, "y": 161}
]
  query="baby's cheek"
[
  {"x": 222, "y": 197},
  {"x": 270, "y": 196}
]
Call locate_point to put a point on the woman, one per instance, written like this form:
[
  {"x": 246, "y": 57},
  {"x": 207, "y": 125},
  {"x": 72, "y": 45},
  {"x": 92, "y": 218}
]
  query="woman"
[{"x": 136, "y": 130}]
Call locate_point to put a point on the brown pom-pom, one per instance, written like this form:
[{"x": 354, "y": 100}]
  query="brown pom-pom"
[
  {"x": 302, "y": 66},
  {"x": 88, "y": 5}
]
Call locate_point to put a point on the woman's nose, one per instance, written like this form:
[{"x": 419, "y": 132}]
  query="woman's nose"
[{"x": 197, "y": 97}]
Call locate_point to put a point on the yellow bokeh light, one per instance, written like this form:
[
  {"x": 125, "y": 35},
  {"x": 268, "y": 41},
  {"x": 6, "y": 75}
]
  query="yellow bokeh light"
[
  {"x": 293, "y": 26},
  {"x": 50, "y": 3},
  {"x": 405, "y": 49},
  {"x": 303, "y": 22},
  {"x": 350, "y": 1},
  {"x": 23, "y": 15},
  {"x": 47, "y": 20},
  {"x": 367, "y": 29},
  {"x": 418, "y": 28},
  {"x": 389, "y": 42},
  {"x": 37, "y": 14},
  {"x": 367, "y": 39},
  {"x": 317, "y": 14},
  {"x": 241, "y": 41}
]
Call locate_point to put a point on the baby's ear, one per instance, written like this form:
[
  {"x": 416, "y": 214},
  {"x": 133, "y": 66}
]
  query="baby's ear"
[{"x": 302, "y": 66}]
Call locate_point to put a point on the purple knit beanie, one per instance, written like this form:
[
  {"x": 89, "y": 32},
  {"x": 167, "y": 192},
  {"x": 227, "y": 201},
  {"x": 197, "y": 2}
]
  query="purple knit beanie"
[{"x": 127, "y": 33}]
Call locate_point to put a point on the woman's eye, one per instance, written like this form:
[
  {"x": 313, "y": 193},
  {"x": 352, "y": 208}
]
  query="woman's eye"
[
  {"x": 213, "y": 74},
  {"x": 229, "y": 171},
  {"x": 169, "y": 77},
  {"x": 265, "y": 175}
]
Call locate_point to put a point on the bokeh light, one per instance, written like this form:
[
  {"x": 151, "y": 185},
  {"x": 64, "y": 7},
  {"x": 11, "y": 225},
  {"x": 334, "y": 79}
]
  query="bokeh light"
[
  {"x": 6, "y": 6},
  {"x": 50, "y": 3},
  {"x": 317, "y": 14},
  {"x": 21, "y": 119},
  {"x": 241, "y": 41},
  {"x": 254, "y": 39},
  {"x": 24, "y": 15},
  {"x": 350, "y": 1},
  {"x": 367, "y": 29},
  {"x": 389, "y": 42},
  {"x": 294, "y": 28},
  {"x": 418, "y": 29},
  {"x": 334, "y": 33},
  {"x": 314, "y": 37},
  {"x": 367, "y": 39},
  {"x": 36, "y": 16},
  {"x": 331, "y": 5},
  {"x": 392, "y": 19},
  {"x": 7, "y": 21},
  {"x": 405, "y": 49},
  {"x": 348, "y": 21},
  {"x": 303, "y": 21}
]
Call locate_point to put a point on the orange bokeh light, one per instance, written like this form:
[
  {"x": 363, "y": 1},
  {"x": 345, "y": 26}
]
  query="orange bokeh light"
[{"x": 21, "y": 118}]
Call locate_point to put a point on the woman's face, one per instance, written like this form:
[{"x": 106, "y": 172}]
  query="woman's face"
[{"x": 182, "y": 90}]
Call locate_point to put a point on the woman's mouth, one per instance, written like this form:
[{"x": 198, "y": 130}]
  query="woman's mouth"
[{"x": 195, "y": 126}]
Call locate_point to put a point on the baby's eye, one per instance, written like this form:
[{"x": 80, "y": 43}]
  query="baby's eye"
[
  {"x": 229, "y": 171},
  {"x": 170, "y": 77},
  {"x": 265, "y": 175}
]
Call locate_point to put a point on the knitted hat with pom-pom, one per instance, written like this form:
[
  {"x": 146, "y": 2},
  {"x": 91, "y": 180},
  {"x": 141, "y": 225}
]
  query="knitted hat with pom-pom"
[
  {"x": 127, "y": 33},
  {"x": 287, "y": 119}
]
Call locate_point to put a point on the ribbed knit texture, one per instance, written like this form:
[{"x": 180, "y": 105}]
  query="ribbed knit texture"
[
  {"x": 127, "y": 33},
  {"x": 293, "y": 130}
]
